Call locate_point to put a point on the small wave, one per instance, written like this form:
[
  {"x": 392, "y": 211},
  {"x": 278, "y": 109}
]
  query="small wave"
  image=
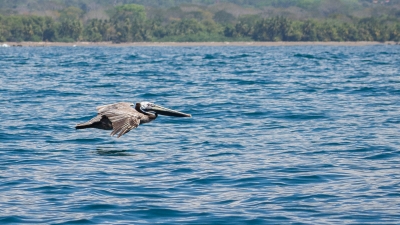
[
  {"x": 183, "y": 170},
  {"x": 304, "y": 179},
  {"x": 12, "y": 220},
  {"x": 384, "y": 155},
  {"x": 245, "y": 71},
  {"x": 76, "y": 221},
  {"x": 131, "y": 57},
  {"x": 212, "y": 56},
  {"x": 161, "y": 212},
  {"x": 301, "y": 116},
  {"x": 208, "y": 180},
  {"x": 75, "y": 64},
  {"x": 308, "y": 56},
  {"x": 105, "y": 85},
  {"x": 98, "y": 207},
  {"x": 381, "y": 63},
  {"x": 244, "y": 55},
  {"x": 112, "y": 152}
]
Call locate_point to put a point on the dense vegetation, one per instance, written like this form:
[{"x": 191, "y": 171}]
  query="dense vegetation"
[
  {"x": 312, "y": 6},
  {"x": 133, "y": 22}
]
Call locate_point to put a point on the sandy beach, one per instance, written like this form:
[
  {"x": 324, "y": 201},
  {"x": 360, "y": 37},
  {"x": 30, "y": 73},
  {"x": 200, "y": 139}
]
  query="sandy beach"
[{"x": 154, "y": 44}]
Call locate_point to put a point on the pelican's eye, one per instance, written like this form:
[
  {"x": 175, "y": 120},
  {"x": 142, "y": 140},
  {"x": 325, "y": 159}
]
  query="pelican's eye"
[{"x": 147, "y": 106}]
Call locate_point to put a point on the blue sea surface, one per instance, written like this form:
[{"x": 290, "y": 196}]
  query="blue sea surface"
[{"x": 279, "y": 135}]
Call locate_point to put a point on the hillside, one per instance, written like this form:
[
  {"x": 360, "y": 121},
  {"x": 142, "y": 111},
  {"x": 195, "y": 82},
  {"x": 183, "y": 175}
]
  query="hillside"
[
  {"x": 297, "y": 9},
  {"x": 201, "y": 20}
]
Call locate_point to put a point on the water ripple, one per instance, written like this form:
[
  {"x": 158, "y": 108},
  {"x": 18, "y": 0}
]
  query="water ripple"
[{"x": 305, "y": 135}]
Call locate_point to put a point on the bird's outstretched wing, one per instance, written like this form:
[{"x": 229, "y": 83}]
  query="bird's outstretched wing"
[
  {"x": 122, "y": 121},
  {"x": 115, "y": 106}
]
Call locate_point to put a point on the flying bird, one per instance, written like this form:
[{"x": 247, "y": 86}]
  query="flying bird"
[{"x": 122, "y": 117}]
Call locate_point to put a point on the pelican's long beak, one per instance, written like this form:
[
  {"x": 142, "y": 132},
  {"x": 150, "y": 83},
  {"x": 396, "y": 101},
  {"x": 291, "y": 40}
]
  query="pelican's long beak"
[{"x": 168, "y": 112}]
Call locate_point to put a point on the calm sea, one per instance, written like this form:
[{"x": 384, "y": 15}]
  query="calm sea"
[{"x": 279, "y": 135}]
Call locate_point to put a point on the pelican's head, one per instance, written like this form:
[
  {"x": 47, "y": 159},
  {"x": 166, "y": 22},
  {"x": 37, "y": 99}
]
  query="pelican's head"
[{"x": 152, "y": 108}]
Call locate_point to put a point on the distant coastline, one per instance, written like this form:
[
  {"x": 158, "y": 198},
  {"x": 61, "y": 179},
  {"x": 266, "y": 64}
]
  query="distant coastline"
[{"x": 183, "y": 44}]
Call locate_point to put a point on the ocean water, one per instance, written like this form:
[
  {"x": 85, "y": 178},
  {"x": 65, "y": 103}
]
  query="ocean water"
[{"x": 279, "y": 135}]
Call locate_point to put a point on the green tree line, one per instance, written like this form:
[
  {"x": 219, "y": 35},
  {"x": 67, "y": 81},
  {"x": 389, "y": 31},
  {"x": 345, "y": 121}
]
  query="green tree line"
[{"x": 129, "y": 23}]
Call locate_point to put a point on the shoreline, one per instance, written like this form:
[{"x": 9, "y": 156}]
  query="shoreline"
[{"x": 189, "y": 44}]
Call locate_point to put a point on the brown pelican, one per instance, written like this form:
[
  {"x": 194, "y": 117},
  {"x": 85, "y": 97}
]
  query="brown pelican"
[{"x": 121, "y": 117}]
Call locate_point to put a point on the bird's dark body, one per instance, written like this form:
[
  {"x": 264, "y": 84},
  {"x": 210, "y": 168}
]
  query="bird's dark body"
[{"x": 104, "y": 124}]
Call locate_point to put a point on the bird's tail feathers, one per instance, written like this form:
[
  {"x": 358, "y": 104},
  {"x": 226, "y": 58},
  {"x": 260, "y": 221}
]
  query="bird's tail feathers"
[
  {"x": 89, "y": 124},
  {"x": 83, "y": 125}
]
